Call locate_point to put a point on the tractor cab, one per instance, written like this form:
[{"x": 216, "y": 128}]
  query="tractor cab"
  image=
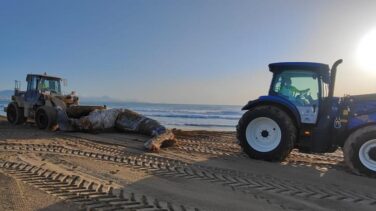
[
  {"x": 41, "y": 84},
  {"x": 303, "y": 85},
  {"x": 44, "y": 83}
]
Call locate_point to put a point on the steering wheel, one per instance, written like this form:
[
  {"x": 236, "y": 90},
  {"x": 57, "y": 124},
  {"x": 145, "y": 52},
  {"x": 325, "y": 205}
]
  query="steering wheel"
[
  {"x": 306, "y": 92},
  {"x": 302, "y": 98}
]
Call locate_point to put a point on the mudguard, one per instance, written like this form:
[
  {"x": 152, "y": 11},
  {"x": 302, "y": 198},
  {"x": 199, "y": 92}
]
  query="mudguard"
[
  {"x": 363, "y": 111},
  {"x": 278, "y": 101}
]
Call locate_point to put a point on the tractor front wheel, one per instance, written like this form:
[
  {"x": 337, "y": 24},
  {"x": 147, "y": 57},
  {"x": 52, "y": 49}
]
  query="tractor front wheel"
[
  {"x": 267, "y": 133},
  {"x": 46, "y": 118},
  {"x": 15, "y": 114},
  {"x": 360, "y": 151}
]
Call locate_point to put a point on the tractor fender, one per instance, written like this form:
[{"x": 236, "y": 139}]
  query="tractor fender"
[
  {"x": 284, "y": 104},
  {"x": 358, "y": 122},
  {"x": 350, "y": 130}
]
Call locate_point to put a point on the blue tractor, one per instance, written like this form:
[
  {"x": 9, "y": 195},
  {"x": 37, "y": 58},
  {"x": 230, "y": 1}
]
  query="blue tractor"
[{"x": 301, "y": 112}]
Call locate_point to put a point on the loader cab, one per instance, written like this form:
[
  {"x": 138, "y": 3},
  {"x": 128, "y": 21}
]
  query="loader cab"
[
  {"x": 304, "y": 85},
  {"x": 41, "y": 84}
]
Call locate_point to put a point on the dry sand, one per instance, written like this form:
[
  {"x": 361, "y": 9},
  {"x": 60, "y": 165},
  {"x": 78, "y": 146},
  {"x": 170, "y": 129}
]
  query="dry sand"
[{"x": 42, "y": 170}]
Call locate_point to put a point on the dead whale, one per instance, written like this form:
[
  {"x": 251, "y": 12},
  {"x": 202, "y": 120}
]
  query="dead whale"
[{"x": 123, "y": 120}]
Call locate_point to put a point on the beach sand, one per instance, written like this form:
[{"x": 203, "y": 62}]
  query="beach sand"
[{"x": 206, "y": 170}]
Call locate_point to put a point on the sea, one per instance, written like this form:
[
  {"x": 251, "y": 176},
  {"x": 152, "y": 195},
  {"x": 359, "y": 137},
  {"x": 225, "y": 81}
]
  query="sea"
[{"x": 182, "y": 116}]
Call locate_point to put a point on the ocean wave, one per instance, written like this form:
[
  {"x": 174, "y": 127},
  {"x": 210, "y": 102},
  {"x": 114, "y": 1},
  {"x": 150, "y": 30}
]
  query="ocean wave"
[
  {"x": 207, "y": 112},
  {"x": 200, "y": 117},
  {"x": 201, "y": 125},
  {"x": 224, "y": 112},
  {"x": 192, "y": 116}
]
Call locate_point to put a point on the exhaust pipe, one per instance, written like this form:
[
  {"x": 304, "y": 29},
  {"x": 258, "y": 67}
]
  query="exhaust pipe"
[{"x": 333, "y": 73}]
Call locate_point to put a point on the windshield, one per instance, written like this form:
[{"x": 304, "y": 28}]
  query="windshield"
[
  {"x": 299, "y": 87},
  {"x": 52, "y": 85}
]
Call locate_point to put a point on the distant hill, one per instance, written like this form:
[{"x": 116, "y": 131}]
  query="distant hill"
[{"x": 6, "y": 94}]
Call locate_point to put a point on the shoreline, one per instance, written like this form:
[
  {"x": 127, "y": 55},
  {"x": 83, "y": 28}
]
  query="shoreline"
[
  {"x": 185, "y": 117},
  {"x": 200, "y": 130}
]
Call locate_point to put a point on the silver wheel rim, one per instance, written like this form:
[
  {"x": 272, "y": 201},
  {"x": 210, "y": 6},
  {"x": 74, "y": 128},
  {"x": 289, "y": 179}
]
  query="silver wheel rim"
[
  {"x": 263, "y": 134},
  {"x": 364, "y": 157}
]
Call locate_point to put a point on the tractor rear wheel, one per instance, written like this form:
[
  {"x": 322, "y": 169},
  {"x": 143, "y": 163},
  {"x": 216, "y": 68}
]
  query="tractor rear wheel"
[
  {"x": 360, "y": 151},
  {"x": 46, "y": 118},
  {"x": 267, "y": 133},
  {"x": 15, "y": 114}
]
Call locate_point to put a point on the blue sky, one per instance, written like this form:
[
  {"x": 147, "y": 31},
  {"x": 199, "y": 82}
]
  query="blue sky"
[{"x": 205, "y": 52}]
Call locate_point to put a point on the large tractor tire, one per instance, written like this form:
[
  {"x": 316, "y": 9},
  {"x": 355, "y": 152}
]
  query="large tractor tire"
[
  {"x": 360, "y": 151},
  {"x": 46, "y": 118},
  {"x": 15, "y": 114},
  {"x": 267, "y": 133}
]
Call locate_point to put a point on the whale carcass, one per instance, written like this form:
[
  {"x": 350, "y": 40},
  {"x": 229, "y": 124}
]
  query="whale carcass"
[{"x": 123, "y": 120}]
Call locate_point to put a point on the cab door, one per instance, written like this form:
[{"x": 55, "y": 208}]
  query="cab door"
[{"x": 32, "y": 93}]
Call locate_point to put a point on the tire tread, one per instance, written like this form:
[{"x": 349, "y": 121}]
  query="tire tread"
[
  {"x": 350, "y": 155},
  {"x": 288, "y": 124}
]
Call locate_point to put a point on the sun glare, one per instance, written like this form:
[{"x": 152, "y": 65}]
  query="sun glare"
[{"x": 367, "y": 52}]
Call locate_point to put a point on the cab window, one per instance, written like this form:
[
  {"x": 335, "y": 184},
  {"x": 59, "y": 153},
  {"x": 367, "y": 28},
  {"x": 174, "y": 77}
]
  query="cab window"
[
  {"x": 32, "y": 84},
  {"x": 52, "y": 85},
  {"x": 299, "y": 87}
]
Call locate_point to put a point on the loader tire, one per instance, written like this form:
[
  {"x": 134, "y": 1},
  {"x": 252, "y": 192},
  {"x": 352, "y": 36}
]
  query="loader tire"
[
  {"x": 360, "y": 151},
  {"x": 266, "y": 133},
  {"x": 15, "y": 114},
  {"x": 46, "y": 118}
]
